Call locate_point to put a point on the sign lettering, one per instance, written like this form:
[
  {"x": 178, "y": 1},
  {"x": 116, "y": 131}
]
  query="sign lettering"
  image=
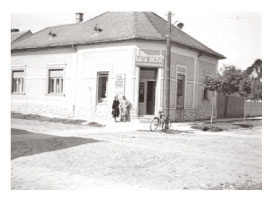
[
  {"x": 119, "y": 84},
  {"x": 149, "y": 60}
]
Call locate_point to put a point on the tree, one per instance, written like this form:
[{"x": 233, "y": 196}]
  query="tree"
[
  {"x": 245, "y": 88},
  {"x": 255, "y": 70},
  {"x": 247, "y": 83},
  {"x": 254, "y": 76},
  {"x": 212, "y": 83},
  {"x": 230, "y": 80}
]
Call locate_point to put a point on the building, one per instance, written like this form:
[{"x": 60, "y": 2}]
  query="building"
[
  {"x": 17, "y": 35},
  {"x": 75, "y": 70}
]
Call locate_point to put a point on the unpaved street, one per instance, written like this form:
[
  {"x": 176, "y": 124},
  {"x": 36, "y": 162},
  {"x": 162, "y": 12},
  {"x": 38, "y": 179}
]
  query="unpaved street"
[{"x": 139, "y": 159}]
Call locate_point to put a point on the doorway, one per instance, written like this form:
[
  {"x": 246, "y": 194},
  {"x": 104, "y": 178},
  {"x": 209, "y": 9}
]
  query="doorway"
[
  {"x": 147, "y": 88},
  {"x": 150, "y": 103}
]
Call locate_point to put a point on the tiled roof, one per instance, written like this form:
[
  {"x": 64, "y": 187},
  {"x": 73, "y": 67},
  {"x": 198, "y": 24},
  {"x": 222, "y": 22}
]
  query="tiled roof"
[
  {"x": 114, "y": 26},
  {"x": 16, "y": 36}
]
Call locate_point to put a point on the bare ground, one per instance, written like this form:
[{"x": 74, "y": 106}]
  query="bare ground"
[{"x": 189, "y": 159}]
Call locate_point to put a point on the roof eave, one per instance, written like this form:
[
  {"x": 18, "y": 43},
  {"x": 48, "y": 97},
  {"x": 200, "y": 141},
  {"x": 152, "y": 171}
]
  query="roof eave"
[{"x": 132, "y": 38}]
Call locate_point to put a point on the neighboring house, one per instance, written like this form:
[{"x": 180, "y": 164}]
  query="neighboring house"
[
  {"x": 17, "y": 35},
  {"x": 75, "y": 70}
]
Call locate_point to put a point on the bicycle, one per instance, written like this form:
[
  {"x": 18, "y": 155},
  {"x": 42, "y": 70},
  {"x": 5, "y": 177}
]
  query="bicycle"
[{"x": 159, "y": 120}]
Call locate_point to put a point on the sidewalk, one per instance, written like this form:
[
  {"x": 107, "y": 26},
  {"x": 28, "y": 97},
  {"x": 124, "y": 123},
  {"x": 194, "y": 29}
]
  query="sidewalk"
[
  {"x": 231, "y": 119},
  {"x": 139, "y": 125}
]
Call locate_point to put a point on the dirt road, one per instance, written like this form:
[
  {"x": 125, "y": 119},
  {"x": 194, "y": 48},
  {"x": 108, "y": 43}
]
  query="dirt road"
[{"x": 189, "y": 159}]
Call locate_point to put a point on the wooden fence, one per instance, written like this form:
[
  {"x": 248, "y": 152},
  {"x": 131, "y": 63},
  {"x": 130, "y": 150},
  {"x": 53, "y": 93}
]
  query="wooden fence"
[
  {"x": 237, "y": 107},
  {"x": 253, "y": 109},
  {"x": 230, "y": 106}
]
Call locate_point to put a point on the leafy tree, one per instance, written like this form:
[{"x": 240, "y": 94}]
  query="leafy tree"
[
  {"x": 255, "y": 70},
  {"x": 245, "y": 88},
  {"x": 247, "y": 83},
  {"x": 254, "y": 76},
  {"x": 230, "y": 80},
  {"x": 212, "y": 83}
]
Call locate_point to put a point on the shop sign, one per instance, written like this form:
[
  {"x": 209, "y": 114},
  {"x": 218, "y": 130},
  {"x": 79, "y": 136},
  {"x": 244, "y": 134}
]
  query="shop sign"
[
  {"x": 149, "y": 60},
  {"x": 120, "y": 84}
]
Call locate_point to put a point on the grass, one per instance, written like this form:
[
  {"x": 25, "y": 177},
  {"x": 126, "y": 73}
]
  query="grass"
[
  {"x": 54, "y": 120},
  {"x": 25, "y": 143},
  {"x": 221, "y": 126}
]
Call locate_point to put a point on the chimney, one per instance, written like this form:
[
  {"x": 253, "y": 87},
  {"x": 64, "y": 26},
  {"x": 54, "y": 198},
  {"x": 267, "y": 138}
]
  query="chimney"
[
  {"x": 79, "y": 17},
  {"x": 14, "y": 30}
]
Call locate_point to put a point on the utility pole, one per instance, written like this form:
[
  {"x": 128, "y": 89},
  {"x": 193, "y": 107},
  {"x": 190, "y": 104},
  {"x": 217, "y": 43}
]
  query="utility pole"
[{"x": 167, "y": 71}]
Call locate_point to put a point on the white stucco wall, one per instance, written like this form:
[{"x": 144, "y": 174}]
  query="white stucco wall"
[
  {"x": 116, "y": 60},
  {"x": 36, "y": 65},
  {"x": 81, "y": 64}
]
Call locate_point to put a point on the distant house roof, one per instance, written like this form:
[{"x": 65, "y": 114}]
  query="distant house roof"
[
  {"x": 17, "y": 35},
  {"x": 113, "y": 27}
]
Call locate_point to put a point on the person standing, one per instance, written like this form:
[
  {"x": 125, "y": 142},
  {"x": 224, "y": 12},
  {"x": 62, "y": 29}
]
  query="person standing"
[
  {"x": 124, "y": 107},
  {"x": 115, "y": 108}
]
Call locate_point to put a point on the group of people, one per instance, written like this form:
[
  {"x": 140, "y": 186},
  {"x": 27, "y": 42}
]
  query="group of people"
[{"x": 121, "y": 108}]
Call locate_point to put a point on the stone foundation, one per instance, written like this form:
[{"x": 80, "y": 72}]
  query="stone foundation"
[
  {"x": 98, "y": 113},
  {"x": 101, "y": 112},
  {"x": 191, "y": 114},
  {"x": 51, "y": 110}
]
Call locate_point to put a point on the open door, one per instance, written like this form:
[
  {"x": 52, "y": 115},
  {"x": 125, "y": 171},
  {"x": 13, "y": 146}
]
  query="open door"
[
  {"x": 150, "y": 102},
  {"x": 146, "y": 94}
]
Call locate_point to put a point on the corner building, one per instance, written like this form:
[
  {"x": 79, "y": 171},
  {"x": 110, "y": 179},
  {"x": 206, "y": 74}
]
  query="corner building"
[{"x": 75, "y": 70}]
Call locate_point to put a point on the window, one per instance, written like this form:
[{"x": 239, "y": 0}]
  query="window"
[
  {"x": 18, "y": 81},
  {"x": 180, "y": 90},
  {"x": 102, "y": 86},
  {"x": 205, "y": 94},
  {"x": 180, "y": 80},
  {"x": 55, "y": 81}
]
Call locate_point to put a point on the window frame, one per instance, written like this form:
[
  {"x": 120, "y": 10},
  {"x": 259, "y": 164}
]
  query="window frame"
[
  {"x": 181, "y": 70},
  {"x": 205, "y": 94},
  {"x": 183, "y": 88},
  {"x": 97, "y": 86},
  {"x": 183, "y": 80},
  {"x": 18, "y": 69},
  {"x": 57, "y": 89},
  {"x": 52, "y": 67}
]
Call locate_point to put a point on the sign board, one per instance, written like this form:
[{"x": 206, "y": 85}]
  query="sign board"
[
  {"x": 120, "y": 84},
  {"x": 150, "y": 58}
]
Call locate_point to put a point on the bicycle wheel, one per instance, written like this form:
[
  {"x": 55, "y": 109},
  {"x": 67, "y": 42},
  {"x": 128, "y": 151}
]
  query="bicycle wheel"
[
  {"x": 154, "y": 124},
  {"x": 164, "y": 124}
]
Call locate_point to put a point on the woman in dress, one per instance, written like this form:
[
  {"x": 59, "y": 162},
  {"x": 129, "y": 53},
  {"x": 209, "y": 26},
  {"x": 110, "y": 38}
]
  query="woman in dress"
[{"x": 115, "y": 108}]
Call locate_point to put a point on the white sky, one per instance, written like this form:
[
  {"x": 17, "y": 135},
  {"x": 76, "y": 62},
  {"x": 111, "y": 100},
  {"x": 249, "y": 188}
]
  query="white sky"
[
  {"x": 236, "y": 35},
  {"x": 237, "y": 38}
]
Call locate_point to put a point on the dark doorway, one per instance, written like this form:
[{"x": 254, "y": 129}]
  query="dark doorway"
[{"x": 150, "y": 97}]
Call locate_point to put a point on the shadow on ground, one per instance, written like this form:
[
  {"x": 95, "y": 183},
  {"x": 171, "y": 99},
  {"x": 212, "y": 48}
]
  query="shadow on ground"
[
  {"x": 230, "y": 125},
  {"x": 169, "y": 131},
  {"x": 25, "y": 143},
  {"x": 54, "y": 120}
]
